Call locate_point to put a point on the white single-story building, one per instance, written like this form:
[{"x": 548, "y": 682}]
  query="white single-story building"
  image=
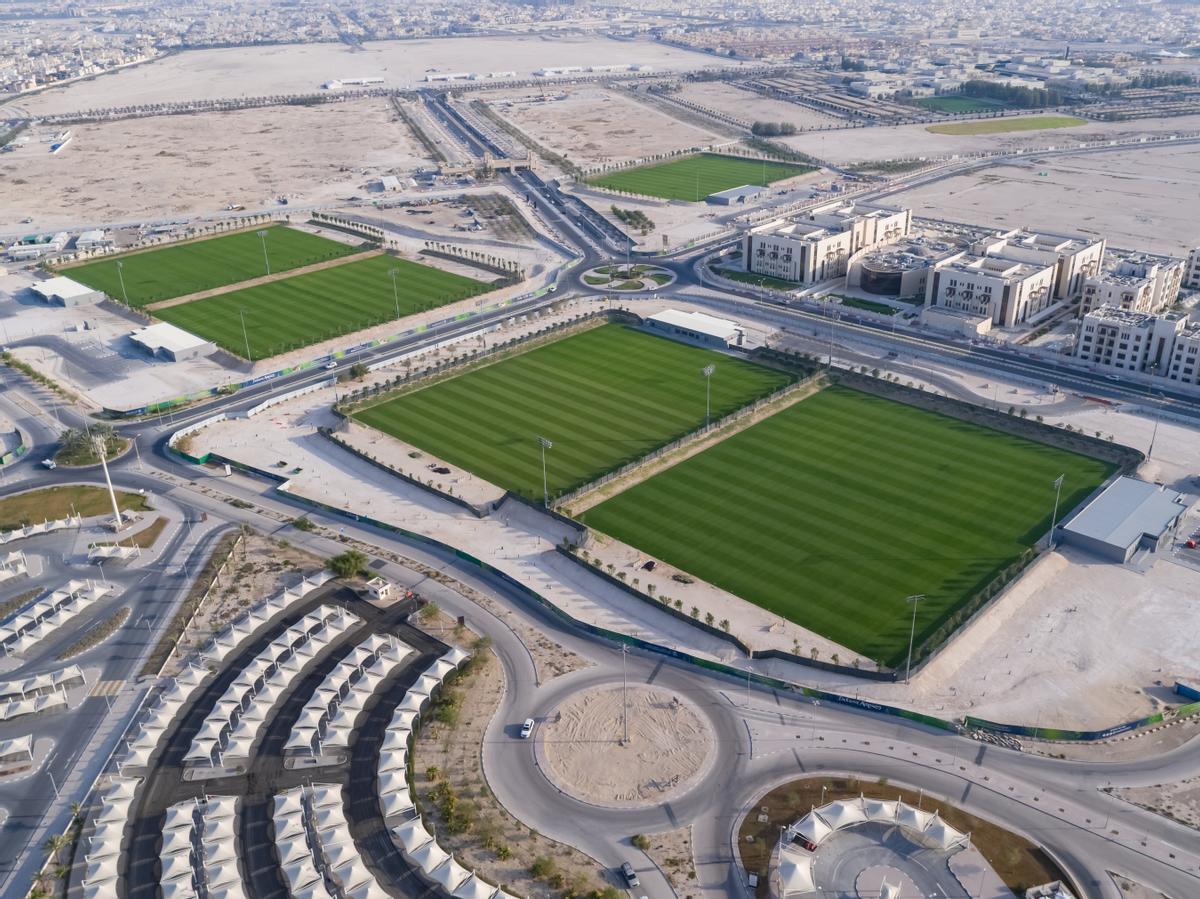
[
  {"x": 93, "y": 240},
  {"x": 169, "y": 342},
  {"x": 696, "y": 327},
  {"x": 66, "y": 292},
  {"x": 1129, "y": 515}
]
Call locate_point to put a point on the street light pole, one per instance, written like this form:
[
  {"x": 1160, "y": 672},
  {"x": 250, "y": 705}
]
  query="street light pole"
[
  {"x": 245, "y": 336},
  {"x": 121, "y": 277},
  {"x": 1058, "y": 482},
  {"x": 625, "y": 690},
  {"x": 707, "y": 371},
  {"x": 395, "y": 291},
  {"x": 263, "y": 236},
  {"x": 545, "y": 444},
  {"x": 912, "y": 600}
]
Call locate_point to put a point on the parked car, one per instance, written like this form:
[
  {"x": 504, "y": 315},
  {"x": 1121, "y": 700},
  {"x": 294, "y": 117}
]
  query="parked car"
[
  {"x": 527, "y": 729},
  {"x": 630, "y": 875},
  {"x": 50, "y": 463}
]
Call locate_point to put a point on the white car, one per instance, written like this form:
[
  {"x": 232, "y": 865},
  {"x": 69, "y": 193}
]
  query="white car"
[
  {"x": 527, "y": 729},
  {"x": 330, "y": 365}
]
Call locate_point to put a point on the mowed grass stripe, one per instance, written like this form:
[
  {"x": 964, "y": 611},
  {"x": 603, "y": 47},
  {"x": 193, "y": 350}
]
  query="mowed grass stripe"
[
  {"x": 604, "y": 397},
  {"x": 176, "y": 271},
  {"x": 832, "y": 511},
  {"x": 295, "y": 312},
  {"x": 693, "y": 178}
]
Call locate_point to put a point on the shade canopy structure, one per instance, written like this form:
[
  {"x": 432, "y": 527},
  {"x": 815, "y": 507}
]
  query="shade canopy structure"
[
  {"x": 795, "y": 873},
  {"x": 412, "y": 834},
  {"x": 812, "y": 827},
  {"x": 843, "y": 813},
  {"x": 943, "y": 835},
  {"x": 912, "y": 818},
  {"x": 879, "y": 810},
  {"x": 474, "y": 888},
  {"x": 429, "y": 856},
  {"x": 449, "y": 874}
]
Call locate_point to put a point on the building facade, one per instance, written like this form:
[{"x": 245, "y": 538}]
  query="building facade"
[
  {"x": 1128, "y": 341},
  {"x": 818, "y": 245},
  {"x": 1191, "y": 276},
  {"x": 1074, "y": 258},
  {"x": 1007, "y": 291},
  {"x": 1137, "y": 284}
]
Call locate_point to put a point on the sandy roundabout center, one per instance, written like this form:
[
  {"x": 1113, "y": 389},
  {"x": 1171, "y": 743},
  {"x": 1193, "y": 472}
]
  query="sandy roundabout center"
[{"x": 581, "y": 747}]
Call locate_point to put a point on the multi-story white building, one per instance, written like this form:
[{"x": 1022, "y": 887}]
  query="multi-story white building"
[
  {"x": 1191, "y": 275},
  {"x": 1137, "y": 284},
  {"x": 1184, "y": 364},
  {"x": 1074, "y": 258},
  {"x": 1130, "y": 341},
  {"x": 817, "y": 246},
  {"x": 1007, "y": 291}
]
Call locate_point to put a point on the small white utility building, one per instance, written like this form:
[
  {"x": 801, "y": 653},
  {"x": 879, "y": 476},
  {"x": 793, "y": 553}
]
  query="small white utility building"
[
  {"x": 696, "y": 327},
  {"x": 169, "y": 342},
  {"x": 65, "y": 292}
]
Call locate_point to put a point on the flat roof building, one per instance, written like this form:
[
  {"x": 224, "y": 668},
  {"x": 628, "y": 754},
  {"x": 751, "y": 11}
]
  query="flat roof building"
[
  {"x": 696, "y": 327},
  {"x": 1007, "y": 291},
  {"x": 735, "y": 195},
  {"x": 169, "y": 342},
  {"x": 65, "y": 292},
  {"x": 1073, "y": 257},
  {"x": 1129, "y": 515},
  {"x": 1139, "y": 283}
]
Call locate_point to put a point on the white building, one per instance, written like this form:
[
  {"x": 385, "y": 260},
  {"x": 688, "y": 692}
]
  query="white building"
[
  {"x": 65, "y": 292},
  {"x": 1138, "y": 284},
  {"x": 1007, "y": 291},
  {"x": 819, "y": 244},
  {"x": 1074, "y": 258},
  {"x": 93, "y": 240},
  {"x": 169, "y": 342},
  {"x": 696, "y": 327},
  {"x": 1191, "y": 276},
  {"x": 1130, "y": 341}
]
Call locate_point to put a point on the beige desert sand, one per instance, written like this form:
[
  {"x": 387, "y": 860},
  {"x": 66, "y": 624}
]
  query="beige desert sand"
[{"x": 585, "y": 754}]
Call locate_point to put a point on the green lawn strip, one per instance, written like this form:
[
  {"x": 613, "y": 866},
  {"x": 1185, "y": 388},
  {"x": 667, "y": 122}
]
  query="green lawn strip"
[
  {"x": 53, "y": 503},
  {"x": 734, "y": 274},
  {"x": 832, "y": 511},
  {"x": 1006, "y": 125},
  {"x": 175, "y": 271},
  {"x": 604, "y": 398},
  {"x": 309, "y": 308},
  {"x": 596, "y": 279},
  {"x": 868, "y": 305},
  {"x": 695, "y": 177},
  {"x": 959, "y": 104}
]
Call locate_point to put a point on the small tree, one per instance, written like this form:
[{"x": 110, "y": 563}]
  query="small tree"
[
  {"x": 347, "y": 564},
  {"x": 695, "y": 612}
]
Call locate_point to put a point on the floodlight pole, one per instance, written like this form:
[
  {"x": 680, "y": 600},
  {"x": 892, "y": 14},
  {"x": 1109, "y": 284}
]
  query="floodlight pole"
[
  {"x": 395, "y": 290},
  {"x": 625, "y": 690},
  {"x": 1058, "y": 482},
  {"x": 912, "y": 600},
  {"x": 545, "y": 445},
  {"x": 707, "y": 371},
  {"x": 263, "y": 236},
  {"x": 245, "y": 336},
  {"x": 121, "y": 278}
]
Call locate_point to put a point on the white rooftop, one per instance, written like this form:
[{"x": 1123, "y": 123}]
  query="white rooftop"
[
  {"x": 166, "y": 336},
  {"x": 710, "y": 325},
  {"x": 1125, "y": 511},
  {"x": 62, "y": 287}
]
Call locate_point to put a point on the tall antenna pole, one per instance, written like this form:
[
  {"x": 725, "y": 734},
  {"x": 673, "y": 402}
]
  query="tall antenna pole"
[{"x": 102, "y": 450}]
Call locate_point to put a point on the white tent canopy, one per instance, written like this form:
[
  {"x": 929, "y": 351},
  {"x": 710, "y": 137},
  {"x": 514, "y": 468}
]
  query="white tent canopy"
[
  {"x": 812, "y": 828},
  {"x": 913, "y": 818},
  {"x": 843, "y": 813},
  {"x": 879, "y": 810},
  {"x": 412, "y": 834},
  {"x": 795, "y": 873},
  {"x": 474, "y": 888}
]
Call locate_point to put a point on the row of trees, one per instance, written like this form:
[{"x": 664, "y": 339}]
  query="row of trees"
[
  {"x": 1013, "y": 94},
  {"x": 772, "y": 129}
]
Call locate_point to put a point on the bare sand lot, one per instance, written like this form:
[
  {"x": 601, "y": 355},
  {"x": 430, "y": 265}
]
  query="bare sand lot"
[
  {"x": 170, "y": 165},
  {"x": 302, "y": 68},
  {"x": 851, "y": 145},
  {"x": 592, "y": 126},
  {"x": 752, "y": 107},
  {"x": 1140, "y": 199}
]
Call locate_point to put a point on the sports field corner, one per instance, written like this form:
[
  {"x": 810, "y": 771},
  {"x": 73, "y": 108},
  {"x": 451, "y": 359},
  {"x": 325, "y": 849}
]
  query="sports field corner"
[
  {"x": 602, "y": 398},
  {"x": 692, "y": 178},
  {"x": 163, "y": 273},
  {"x": 848, "y": 503},
  {"x": 1008, "y": 125}
]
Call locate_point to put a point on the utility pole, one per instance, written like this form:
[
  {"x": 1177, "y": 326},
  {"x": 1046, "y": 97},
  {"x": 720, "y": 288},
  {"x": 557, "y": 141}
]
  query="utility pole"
[
  {"x": 395, "y": 291},
  {"x": 121, "y": 277},
  {"x": 1058, "y": 482},
  {"x": 545, "y": 444},
  {"x": 245, "y": 336},
  {"x": 912, "y": 600}
]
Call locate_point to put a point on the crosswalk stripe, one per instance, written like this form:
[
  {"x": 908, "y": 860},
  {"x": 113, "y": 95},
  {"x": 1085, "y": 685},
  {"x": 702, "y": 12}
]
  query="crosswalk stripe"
[{"x": 106, "y": 688}]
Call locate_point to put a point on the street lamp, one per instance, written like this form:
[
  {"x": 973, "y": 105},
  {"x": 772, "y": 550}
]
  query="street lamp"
[
  {"x": 121, "y": 278},
  {"x": 625, "y": 690},
  {"x": 245, "y": 336},
  {"x": 545, "y": 445},
  {"x": 707, "y": 371},
  {"x": 395, "y": 290},
  {"x": 912, "y": 600},
  {"x": 263, "y": 236},
  {"x": 1058, "y": 482}
]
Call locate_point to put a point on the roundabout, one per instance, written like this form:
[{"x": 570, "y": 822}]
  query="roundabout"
[
  {"x": 582, "y": 748},
  {"x": 630, "y": 277}
]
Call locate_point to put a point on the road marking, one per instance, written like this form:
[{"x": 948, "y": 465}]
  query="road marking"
[{"x": 107, "y": 688}]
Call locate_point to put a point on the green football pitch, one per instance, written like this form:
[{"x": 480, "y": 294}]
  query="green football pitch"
[
  {"x": 295, "y": 312},
  {"x": 176, "y": 271},
  {"x": 603, "y": 398},
  {"x": 833, "y": 511},
  {"x": 695, "y": 177}
]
